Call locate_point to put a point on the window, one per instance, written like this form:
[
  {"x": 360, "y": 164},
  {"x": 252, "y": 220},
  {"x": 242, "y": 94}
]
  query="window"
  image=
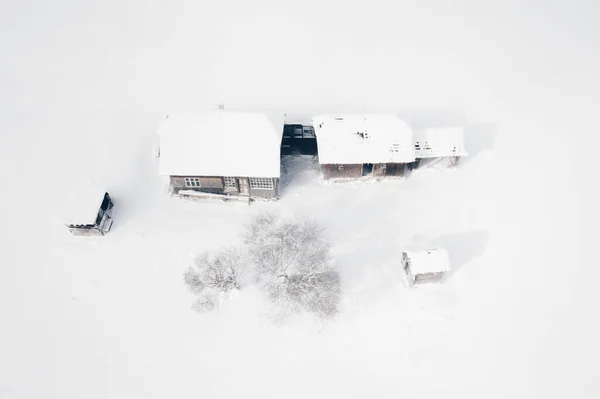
[
  {"x": 309, "y": 132},
  {"x": 261, "y": 183},
  {"x": 229, "y": 182},
  {"x": 192, "y": 182}
]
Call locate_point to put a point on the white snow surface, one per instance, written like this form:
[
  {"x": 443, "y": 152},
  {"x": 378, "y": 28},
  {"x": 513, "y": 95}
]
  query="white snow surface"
[
  {"x": 220, "y": 143},
  {"x": 84, "y": 85},
  {"x": 357, "y": 139},
  {"x": 83, "y": 205},
  {"x": 440, "y": 142},
  {"x": 428, "y": 261}
]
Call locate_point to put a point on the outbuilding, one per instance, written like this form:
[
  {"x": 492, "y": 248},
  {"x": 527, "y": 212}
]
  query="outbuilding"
[
  {"x": 355, "y": 146},
  {"x": 92, "y": 214},
  {"x": 298, "y": 136},
  {"x": 425, "y": 266},
  {"x": 221, "y": 154},
  {"x": 441, "y": 146}
]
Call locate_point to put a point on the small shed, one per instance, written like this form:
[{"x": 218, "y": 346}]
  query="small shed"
[
  {"x": 426, "y": 266},
  {"x": 442, "y": 146},
  {"x": 92, "y": 215},
  {"x": 354, "y": 146}
]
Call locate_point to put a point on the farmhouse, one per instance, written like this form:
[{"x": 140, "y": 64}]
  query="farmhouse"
[
  {"x": 221, "y": 154},
  {"x": 425, "y": 266},
  {"x": 92, "y": 214},
  {"x": 353, "y": 146},
  {"x": 443, "y": 146}
]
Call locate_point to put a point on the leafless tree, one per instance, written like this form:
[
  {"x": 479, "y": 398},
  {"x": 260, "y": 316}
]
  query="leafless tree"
[
  {"x": 292, "y": 257},
  {"x": 193, "y": 280},
  {"x": 316, "y": 292},
  {"x": 211, "y": 275},
  {"x": 282, "y": 247},
  {"x": 206, "y": 302}
]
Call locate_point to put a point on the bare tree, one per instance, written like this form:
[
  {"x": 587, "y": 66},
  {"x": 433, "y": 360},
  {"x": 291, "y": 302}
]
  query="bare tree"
[
  {"x": 193, "y": 280},
  {"x": 316, "y": 292},
  {"x": 211, "y": 275},
  {"x": 281, "y": 247},
  {"x": 206, "y": 302},
  {"x": 292, "y": 257}
]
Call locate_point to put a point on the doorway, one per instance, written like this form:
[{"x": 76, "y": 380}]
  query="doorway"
[
  {"x": 243, "y": 184},
  {"x": 367, "y": 169}
]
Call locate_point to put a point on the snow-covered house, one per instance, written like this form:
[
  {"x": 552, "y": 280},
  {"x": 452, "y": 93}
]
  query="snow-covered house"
[
  {"x": 221, "y": 154},
  {"x": 351, "y": 146},
  {"x": 439, "y": 146},
  {"x": 425, "y": 266},
  {"x": 91, "y": 214}
]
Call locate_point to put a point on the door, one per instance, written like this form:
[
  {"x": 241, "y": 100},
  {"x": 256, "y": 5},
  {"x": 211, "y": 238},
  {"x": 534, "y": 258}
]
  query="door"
[{"x": 243, "y": 184}]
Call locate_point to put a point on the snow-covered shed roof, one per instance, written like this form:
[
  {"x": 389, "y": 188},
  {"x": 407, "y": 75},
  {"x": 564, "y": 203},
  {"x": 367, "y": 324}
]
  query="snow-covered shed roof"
[
  {"x": 220, "y": 143},
  {"x": 428, "y": 261},
  {"x": 440, "y": 142},
  {"x": 83, "y": 205},
  {"x": 352, "y": 139}
]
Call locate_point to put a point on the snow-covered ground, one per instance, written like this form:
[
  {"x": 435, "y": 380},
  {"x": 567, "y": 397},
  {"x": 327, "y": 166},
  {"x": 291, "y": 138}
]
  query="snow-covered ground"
[{"x": 84, "y": 87}]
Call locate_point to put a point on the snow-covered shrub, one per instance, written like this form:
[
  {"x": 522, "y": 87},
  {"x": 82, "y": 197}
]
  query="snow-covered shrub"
[
  {"x": 216, "y": 274},
  {"x": 291, "y": 257},
  {"x": 193, "y": 280},
  {"x": 206, "y": 302}
]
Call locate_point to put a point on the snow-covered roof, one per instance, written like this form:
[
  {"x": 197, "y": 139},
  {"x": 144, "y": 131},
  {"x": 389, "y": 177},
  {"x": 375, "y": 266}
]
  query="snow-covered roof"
[
  {"x": 297, "y": 119},
  {"x": 428, "y": 261},
  {"x": 220, "y": 143},
  {"x": 352, "y": 139},
  {"x": 83, "y": 205},
  {"x": 440, "y": 142}
]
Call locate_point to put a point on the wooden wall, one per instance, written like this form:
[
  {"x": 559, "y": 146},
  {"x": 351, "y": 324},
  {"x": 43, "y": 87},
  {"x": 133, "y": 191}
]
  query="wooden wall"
[
  {"x": 205, "y": 182},
  {"x": 85, "y": 232},
  {"x": 261, "y": 193},
  {"x": 213, "y": 185},
  {"x": 347, "y": 171},
  {"x": 395, "y": 169},
  {"x": 379, "y": 169},
  {"x": 428, "y": 278},
  {"x": 216, "y": 185},
  {"x": 354, "y": 171},
  {"x": 448, "y": 162}
]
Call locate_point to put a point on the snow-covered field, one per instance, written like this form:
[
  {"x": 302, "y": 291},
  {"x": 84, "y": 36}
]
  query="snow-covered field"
[{"x": 83, "y": 87}]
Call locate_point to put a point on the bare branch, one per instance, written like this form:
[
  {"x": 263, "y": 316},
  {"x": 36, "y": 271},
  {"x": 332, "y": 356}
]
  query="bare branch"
[{"x": 292, "y": 256}]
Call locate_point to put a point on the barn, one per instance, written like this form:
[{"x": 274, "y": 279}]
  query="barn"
[
  {"x": 439, "y": 146},
  {"x": 91, "y": 213},
  {"x": 425, "y": 266},
  {"x": 221, "y": 154},
  {"x": 355, "y": 146}
]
